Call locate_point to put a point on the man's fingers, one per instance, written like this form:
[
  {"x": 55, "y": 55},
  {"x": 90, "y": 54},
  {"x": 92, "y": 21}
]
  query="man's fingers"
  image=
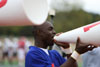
[
  {"x": 78, "y": 41},
  {"x": 90, "y": 47},
  {"x": 58, "y": 34},
  {"x": 54, "y": 40}
]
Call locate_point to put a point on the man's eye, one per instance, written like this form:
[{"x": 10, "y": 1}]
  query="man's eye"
[{"x": 50, "y": 28}]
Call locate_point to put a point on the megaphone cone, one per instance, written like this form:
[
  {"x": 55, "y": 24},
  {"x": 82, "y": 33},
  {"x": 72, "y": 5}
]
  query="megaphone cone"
[
  {"x": 88, "y": 34},
  {"x": 23, "y": 12}
]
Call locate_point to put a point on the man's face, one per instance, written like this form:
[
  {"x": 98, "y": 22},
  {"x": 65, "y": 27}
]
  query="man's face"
[{"x": 47, "y": 33}]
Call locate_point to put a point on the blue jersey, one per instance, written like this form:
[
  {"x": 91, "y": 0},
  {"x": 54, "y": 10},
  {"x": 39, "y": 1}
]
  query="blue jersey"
[{"x": 36, "y": 57}]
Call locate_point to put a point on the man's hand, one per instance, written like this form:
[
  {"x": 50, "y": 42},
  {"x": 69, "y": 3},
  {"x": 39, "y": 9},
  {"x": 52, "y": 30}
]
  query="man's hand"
[
  {"x": 82, "y": 48},
  {"x": 62, "y": 44}
]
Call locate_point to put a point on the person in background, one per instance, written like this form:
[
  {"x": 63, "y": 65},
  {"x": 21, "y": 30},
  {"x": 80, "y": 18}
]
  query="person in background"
[
  {"x": 21, "y": 51},
  {"x": 57, "y": 48},
  {"x": 5, "y": 49},
  {"x": 93, "y": 58},
  {"x": 10, "y": 51},
  {"x": 1, "y": 51},
  {"x": 15, "y": 48},
  {"x": 40, "y": 56},
  {"x": 27, "y": 44}
]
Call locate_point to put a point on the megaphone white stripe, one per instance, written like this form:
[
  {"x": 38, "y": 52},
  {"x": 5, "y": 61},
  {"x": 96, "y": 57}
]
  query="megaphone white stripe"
[
  {"x": 89, "y": 34},
  {"x": 23, "y": 12}
]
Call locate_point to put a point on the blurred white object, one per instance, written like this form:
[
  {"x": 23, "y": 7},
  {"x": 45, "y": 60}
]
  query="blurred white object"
[
  {"x": 89, "y": 34},
  {"x": 52, "y": 12},
  {"x": 27, "y": 44},
  {"x": 23, "y": 12}
]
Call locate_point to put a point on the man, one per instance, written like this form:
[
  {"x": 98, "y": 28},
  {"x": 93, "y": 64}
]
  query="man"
[{"x": 39, "y": 56}]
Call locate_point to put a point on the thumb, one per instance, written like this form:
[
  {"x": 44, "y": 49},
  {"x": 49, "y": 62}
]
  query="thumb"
[{"x": 78, "y": 41}]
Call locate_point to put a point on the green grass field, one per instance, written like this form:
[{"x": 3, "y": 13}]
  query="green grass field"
[
  {"x": 6, "y": 64},
  {"x": 79, "y": 64},
  {"x": 16, "y": 65}
]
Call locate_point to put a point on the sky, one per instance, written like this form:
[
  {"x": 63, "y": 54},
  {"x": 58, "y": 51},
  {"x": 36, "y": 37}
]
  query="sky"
[
  {"x": 88, "y": 5},
  {"x": 92, "y": 6}
]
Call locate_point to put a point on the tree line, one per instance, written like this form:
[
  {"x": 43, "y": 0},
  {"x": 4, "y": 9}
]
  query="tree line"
[{"x": 63, "y": 21}]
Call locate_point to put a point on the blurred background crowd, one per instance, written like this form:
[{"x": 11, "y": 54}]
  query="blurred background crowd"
[{"x": 13, "y": 50}]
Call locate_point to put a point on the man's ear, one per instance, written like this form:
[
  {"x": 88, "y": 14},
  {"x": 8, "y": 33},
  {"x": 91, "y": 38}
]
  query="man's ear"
[{"x": 38, "y": 32}]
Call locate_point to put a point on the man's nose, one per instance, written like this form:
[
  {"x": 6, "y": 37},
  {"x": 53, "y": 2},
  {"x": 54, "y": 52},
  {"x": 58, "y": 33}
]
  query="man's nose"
[{"x": 54, "y": 32}]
